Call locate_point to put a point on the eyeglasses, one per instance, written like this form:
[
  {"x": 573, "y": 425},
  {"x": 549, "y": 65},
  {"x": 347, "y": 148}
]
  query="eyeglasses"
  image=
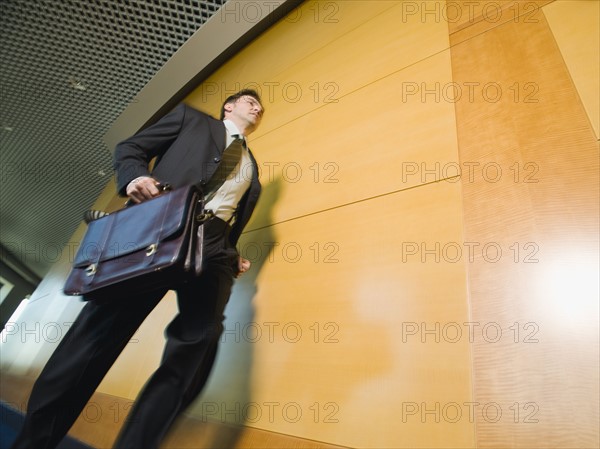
[{"x": 253, "y": 103}]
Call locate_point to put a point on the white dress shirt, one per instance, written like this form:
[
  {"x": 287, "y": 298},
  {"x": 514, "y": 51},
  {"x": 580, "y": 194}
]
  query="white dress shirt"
[{"x": 227, "y": 197}]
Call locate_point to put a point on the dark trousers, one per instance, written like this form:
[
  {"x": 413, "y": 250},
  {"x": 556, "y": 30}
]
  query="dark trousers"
[{"x": 104, "y": 328}]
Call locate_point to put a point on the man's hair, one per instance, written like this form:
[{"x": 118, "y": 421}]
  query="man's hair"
[{"x": 235, "y": 97}]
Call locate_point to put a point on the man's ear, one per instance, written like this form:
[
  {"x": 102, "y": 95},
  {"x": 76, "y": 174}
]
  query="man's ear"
[{"x": 228, "y": 107}]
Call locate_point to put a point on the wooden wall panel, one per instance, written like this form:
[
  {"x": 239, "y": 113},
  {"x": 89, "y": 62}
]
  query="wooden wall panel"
[
  {"x": 353, "y": 43},
  {"x": 378, "y": 126},
  {"x": 541, "y": 211},
  {"x": 574, "y": 24},
  {"x": 485, "y": 14},
  {"x": 284, "y": 45},
  {"x": 346, "y": 343},
  {"x": 332, "y": 157},
  {"x": 467, "y": 19}
]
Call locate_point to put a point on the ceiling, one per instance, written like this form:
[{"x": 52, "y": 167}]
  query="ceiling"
[{"x": 68, "y": 69}]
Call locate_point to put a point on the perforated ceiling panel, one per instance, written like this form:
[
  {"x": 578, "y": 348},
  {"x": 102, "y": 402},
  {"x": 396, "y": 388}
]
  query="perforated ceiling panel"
[{"x": 68, "y": 69}]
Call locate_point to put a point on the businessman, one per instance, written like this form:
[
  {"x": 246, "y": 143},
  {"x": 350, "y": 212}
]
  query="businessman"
[{"x": 190, "y": 147}]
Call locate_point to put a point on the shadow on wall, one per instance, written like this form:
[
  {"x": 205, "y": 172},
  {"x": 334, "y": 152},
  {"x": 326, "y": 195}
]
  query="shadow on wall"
[
  {"x": 361, "y": 363},
  {"x": 230, "y": 380}
]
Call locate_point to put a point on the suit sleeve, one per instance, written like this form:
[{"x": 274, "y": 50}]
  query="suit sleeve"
[{"x": 132, "y": 156}]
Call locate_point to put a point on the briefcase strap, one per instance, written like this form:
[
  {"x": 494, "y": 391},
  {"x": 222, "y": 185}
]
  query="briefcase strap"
[
  {"x": 91, "y": 270},
  {"x": 153, "y": 248}
]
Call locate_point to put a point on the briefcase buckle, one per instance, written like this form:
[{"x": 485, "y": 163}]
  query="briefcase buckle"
[
  {"x": 151, "y": 249},
  {"x": 91, "y": 270},
  {"x": 204, "y": 216}
]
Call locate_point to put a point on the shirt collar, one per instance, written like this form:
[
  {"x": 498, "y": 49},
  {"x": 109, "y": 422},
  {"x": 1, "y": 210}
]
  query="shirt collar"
[{"x": 231, "y": 128}]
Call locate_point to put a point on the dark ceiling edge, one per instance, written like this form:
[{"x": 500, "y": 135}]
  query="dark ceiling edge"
[{"x": 209, "y": 48}]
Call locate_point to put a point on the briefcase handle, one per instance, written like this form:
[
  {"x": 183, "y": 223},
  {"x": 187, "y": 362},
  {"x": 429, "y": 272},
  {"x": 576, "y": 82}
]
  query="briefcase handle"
[
  {"x": 92, "y": 214},
  {"x": 166, "y": 187}
]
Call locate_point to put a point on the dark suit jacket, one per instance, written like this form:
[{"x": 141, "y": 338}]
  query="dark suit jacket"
[{"x": 188, "y": 145}]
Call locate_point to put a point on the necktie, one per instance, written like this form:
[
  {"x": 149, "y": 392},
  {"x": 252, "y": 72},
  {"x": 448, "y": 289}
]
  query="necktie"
[{"x": 230, "y": 159}]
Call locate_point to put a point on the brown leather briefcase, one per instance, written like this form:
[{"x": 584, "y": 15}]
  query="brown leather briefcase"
[{"x": 154, "y": 244}]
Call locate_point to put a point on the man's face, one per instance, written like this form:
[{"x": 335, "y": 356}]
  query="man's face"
[{"x": 246, "y": 109}]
